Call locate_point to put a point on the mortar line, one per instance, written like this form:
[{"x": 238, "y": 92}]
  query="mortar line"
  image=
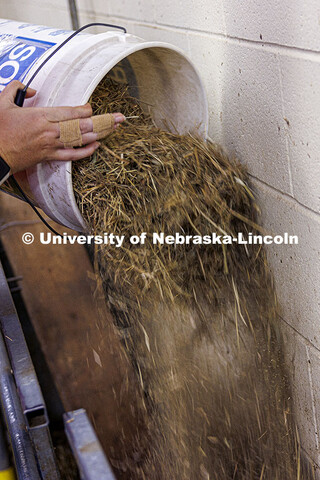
[
  {"x": 153, "y": 11},
  {"x": 307, "y": 341},
  {"x": 188, "y": 44},
  {"x": 286, "y": 130},
  {"x": 296, "y": 202},
  {"x": 315, "y": 463},
  {"x": 222, "y": 36},
  {"x": 224, "y": 21}
]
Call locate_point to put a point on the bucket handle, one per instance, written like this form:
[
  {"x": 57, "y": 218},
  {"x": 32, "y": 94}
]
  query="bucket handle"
[{"x": 94, "y": 24}]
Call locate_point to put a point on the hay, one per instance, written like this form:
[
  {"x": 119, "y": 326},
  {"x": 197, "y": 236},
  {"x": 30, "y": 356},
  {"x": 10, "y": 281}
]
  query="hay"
[
  {"x": 199, "y": 322},
  {"x": 144, "y": 179}
]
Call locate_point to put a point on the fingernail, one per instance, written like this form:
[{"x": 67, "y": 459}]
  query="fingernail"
[
  {"x": 97, "y": 145},
  {"x": 118, "y": 117}
]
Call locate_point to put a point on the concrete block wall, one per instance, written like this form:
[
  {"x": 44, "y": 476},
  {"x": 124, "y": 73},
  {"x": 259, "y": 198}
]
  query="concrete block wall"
[{"x": 260, "y": 62}]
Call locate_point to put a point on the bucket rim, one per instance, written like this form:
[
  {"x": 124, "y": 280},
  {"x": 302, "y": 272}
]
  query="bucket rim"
[{"x": 88, "y": 44}]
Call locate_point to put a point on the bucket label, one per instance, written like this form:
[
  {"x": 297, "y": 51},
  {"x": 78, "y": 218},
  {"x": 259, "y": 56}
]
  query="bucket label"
[{"x": 18, "y": 55}]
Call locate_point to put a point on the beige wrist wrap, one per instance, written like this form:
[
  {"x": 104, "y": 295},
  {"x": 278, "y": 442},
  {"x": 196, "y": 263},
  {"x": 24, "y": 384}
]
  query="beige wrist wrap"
[{"x": 70, "y": 133}]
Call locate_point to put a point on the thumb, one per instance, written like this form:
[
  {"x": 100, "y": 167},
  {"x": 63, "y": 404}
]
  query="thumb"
[
  {"x": 31, "y": 92},
  {"x": 10, "y": 91}
]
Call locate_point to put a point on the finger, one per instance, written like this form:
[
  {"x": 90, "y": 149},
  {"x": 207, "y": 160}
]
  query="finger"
[
  {"x": 103, "y": 125},
  {"x": 10, "y": 91},
  {"x": 86, "y": 124},
  {"x": 30, "y": 92},
  {"x": 86, "y": 138},
  {"x": 71, "y": 132},
  {"x": 67, "y": 154},
  {"x": 59, "y": 114},
  {"x": 118, "y": 118},
  {"x": 89, "y": 138}
]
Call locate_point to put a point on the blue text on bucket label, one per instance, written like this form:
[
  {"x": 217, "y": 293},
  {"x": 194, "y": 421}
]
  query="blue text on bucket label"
[{"x": 20, "y": 57}]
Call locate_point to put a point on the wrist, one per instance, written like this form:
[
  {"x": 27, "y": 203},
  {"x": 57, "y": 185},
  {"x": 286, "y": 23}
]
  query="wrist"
[
  {"x": 7, "y": 158},
  {"x": 5, "y": 171}
]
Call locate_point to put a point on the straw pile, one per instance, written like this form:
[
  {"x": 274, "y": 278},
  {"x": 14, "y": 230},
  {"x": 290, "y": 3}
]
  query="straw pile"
[{"x": 199, "y": 322}]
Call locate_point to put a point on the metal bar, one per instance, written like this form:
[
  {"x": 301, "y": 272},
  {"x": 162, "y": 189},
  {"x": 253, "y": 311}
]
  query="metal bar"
[
  {"x": 15, "y": 289},
  {"x": 86, "y": 448},
  {"x": 44, "y": 451},
  {"x": 25, "y": 376},
  {"x": 24, "y": 458},
  {"x": 31, "y": 399},
  {"x": 14, "y": 279},
  {"x": 74, "y": 14},
  {"x": 4, "y": 454}
]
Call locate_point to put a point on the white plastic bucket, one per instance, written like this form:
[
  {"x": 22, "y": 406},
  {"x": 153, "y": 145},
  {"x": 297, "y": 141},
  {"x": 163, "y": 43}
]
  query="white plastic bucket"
[{"x": 160, "y": 73}]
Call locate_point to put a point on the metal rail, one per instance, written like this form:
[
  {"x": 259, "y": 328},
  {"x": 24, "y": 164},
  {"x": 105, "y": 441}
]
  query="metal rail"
[
  {"x": 25, "y": 412},
  {"x": 25, "y": 462},
  {"x": 4, "y": 454},
  {"x": 74, "y": 14},
  {"x": 21, "y": 397},
  {"x": 90, "y": 457},
  {"x": 24, "y": 373}
]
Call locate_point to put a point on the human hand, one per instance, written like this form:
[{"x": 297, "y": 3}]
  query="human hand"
[{"x": 31, "y": 135}]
